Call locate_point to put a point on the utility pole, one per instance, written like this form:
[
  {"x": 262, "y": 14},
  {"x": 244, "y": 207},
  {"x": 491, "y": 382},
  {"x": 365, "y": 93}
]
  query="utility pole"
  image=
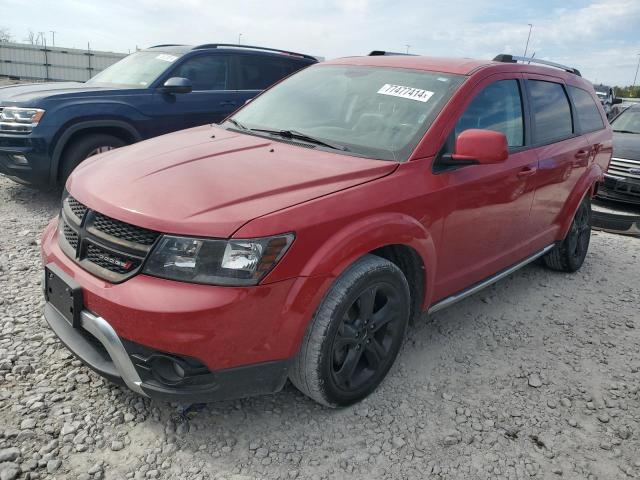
[
  {"x": 408, "y": 46},
  {"x": 239, "y": 38},
  {"x": 636, "y": 76},
  {"x": 526, "y": 47},
  {"x": 53, "y": 38}
]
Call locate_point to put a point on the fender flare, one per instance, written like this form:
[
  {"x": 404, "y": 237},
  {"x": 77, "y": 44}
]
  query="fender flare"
[
  {"x": 586, "y": 185},
  {"x": 76, "y": 127}
]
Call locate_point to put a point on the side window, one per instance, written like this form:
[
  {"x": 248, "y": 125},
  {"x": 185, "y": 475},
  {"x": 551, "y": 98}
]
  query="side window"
[
  {"x": 258, "y": 72},
  {"x": 206, "y": 72},
  {"x": 498, "y": 107},
  {"x": 551, "y": 111},
  {"x": 586, "y": 109}
]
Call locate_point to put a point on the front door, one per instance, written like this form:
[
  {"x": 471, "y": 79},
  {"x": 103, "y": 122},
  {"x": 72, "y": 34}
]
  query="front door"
[
  {"x": 213, "y": 98},
  {"x": 487, "y": 206}
]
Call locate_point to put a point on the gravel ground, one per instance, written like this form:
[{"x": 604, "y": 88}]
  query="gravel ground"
[{"x": 537, "y": 376}]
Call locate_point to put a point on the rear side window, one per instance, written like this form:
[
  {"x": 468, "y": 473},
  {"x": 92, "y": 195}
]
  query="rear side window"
[
  {"x": 206, "y": 72},
  {"x": 258, "y": 72},
  {"x": 498, "y": 107},
  {"x": 586, "y": 109},
  {"x": 551, "y": 111}
]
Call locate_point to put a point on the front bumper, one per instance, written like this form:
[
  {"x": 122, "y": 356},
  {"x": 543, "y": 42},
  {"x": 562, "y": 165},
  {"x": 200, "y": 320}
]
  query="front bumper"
[
  {"x": 37, "y": 168},
  {"x": 98, "y": 346},
  {"x": 242, "y": 336},
  {"x": 620, "y": 189}
]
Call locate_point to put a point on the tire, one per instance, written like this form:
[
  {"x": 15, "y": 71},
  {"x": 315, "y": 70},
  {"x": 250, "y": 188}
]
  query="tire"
[
  {"x": 84, "y": 147},
  {"x": 569, "y": 255},
  {"x": 355, "y": 335}
]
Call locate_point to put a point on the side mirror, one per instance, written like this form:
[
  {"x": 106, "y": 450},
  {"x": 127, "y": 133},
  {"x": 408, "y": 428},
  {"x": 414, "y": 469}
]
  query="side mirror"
[
  {"x": 177, "y": 85},
  {"x": 616, "y": 101},
  {"x": 481, "y": 146}
]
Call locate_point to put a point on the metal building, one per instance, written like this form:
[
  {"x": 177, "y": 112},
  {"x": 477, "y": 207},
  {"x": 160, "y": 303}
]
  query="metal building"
[{"x": 21, "y": 61}]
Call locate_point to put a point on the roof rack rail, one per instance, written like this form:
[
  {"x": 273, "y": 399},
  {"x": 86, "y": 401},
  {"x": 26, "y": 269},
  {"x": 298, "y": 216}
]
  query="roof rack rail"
[
  {"x": 252, "y": 47},
  {"x": 167, "y": 45},
  {"x": 506, "y": 58},
  {"x": 380, "y": 53}
]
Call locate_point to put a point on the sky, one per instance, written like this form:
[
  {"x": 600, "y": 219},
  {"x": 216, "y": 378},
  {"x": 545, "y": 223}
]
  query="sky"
[{"x": 601, "y": 38}]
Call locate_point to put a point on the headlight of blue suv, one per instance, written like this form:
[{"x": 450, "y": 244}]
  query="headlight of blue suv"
[
  {"x": 216, "y": 262},
  {"x": 20, "y": 119}
]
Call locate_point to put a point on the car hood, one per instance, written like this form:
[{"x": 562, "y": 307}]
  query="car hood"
[
  {"x": 626, "y": 145},
  {"x": 209, "y": 181},
  {"x": 29, "y": 93}
]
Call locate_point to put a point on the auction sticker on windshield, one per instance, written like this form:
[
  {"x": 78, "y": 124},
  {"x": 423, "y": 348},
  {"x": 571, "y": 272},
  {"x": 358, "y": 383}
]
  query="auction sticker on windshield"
[
  {"x": 166, "y": 57},
  {"x": 406, "y": 92}
]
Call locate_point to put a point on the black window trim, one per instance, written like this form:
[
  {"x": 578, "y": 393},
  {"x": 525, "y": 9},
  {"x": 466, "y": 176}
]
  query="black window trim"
[
  {"x": 527, "y": 123},
  {"x": 577, "y": 117},
  {"x": 574, "y": 133}
]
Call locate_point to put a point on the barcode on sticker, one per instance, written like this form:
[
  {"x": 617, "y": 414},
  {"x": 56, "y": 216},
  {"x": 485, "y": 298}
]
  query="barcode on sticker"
[{"x": 406, "y": 92}]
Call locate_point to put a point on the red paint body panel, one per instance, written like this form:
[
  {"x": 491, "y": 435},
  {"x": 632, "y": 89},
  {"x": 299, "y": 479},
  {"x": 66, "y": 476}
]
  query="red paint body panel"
[{"x": 465, "y": 224}]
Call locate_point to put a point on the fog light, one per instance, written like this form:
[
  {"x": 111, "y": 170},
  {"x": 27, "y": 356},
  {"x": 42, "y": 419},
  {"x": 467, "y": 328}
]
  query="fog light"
[{"x": 19, "y": 159}]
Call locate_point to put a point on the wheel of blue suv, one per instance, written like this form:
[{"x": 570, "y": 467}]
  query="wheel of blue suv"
[
  {"x": 355, "y": 335},
  {"x": 569, "y": 255},
  {"x": 84, "y": 147}
]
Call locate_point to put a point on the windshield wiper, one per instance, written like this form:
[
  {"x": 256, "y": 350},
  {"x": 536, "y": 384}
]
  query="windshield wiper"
[
  {"x": 626, "y": 131},
  {"x": 301, "y": 136},
  {"x": 237, "y": 124}
]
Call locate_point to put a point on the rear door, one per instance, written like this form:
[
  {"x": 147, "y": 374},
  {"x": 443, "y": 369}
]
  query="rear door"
[
  {"x": 563, "y": 154},
  {"x": 214, "y": 94},
  {"x": 488, "y": 206}
]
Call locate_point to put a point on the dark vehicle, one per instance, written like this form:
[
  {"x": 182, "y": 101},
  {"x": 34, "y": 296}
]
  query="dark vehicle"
[
  {"x": 47, "y": 129},
  {"x": 622, "y": 180},
  {"x": 608, "y": 99}
]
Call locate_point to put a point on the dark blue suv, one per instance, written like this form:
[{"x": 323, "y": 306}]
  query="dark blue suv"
[{"x": 47, "y": 129}]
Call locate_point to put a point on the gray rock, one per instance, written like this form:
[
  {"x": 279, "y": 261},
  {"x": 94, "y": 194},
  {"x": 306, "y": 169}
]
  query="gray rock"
[
  {"x": 53, "y": 465},
  {"x": 534, "y": 380},
  {"x": 117, "y": 445},
  {"x": 9, "y": 454},
  {"x": 9, "y": 471}
]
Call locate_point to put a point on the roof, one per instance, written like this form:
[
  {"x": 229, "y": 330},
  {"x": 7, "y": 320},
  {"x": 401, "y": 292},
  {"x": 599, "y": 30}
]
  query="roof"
[
  {"x": 182, "y": 49},
  {"x": 457, "y": 66}
]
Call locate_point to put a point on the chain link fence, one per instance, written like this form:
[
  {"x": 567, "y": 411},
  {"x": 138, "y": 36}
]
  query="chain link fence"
[{"x": 21, "y": 61}]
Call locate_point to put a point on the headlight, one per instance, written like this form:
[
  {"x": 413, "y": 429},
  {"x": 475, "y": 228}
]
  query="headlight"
[
  {"x": 216, "y": 262},
  {"x": 20, "y": 119}
]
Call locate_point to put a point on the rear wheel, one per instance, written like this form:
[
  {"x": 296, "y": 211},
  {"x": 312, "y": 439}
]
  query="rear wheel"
[
  {"x": 85, "y": 147},
  {"x": 570, "y": 254},
  {"x": 355, "y": 334}
]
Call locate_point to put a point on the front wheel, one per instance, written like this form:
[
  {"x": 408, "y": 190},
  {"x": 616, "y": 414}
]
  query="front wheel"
[
  {"x": 85, "y": 147},
  {"x": 355, "y": 334},
  {"x": 569, "y": 255}
]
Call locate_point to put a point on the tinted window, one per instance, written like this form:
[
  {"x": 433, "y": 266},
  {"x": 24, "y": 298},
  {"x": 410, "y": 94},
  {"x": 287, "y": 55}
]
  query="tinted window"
[
  {"x": 498, "y": 107},
  {"x": 259, "y": 72},
  {"x": 551, "y": 111},
  {"x": 586, "y": 109},
  {"x": 206, "y": 72}
]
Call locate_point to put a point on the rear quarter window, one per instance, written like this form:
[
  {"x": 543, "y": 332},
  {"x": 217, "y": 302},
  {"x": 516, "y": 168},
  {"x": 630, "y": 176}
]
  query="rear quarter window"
[
  {"x": 586, "y": 109},
  {"x": 551, "y": 111}
]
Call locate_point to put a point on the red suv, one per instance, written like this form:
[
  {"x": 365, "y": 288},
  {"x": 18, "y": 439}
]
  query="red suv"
[{"x": 297, "y": 240}]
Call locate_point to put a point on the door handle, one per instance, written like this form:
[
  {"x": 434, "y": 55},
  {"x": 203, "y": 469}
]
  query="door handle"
[
  {"x": 227, "y": 103},
  {"x": 526, "y": 172},
  {"x": 580, "y": 154}
]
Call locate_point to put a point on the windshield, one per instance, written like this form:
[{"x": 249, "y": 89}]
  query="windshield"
[
  {"x": 137, "y": 70},
  {"x": 628, "y": 121},
  {"x": 370, "y": 111}
]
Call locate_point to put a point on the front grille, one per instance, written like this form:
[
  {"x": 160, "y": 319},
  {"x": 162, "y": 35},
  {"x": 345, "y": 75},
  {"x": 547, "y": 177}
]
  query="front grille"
[
  {"x": 109, "y": 260},
  {"x": 71, "y": 236},
  {"x": 622, "y": 167},
  {"x": 108, "y": 248},
  {"x": 76, "y": 208},
  {"x": 124, "y": 231}
]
